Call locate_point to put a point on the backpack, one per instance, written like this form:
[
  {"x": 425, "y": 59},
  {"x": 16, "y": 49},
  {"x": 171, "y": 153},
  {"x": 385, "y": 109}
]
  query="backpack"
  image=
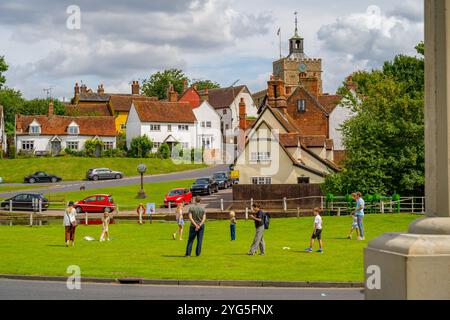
[{"x": 266, "y": 220}]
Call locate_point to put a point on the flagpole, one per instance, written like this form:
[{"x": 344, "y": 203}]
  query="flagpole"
[{"x": 279, "y": 35}]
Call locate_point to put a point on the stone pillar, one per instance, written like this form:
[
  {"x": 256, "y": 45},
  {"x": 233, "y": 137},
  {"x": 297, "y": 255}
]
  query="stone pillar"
[{"x": 416, "y": 265}]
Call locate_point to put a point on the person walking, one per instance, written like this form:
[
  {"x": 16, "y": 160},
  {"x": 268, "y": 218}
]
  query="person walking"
[
  {"x": 180, "y": 221},
  {"x": 70, "y": 223},
  {"x": 359, "y": 212},
  {"x": 105, "y": 226},
  {"x": 258, "y": 241},
  {"x": 197, "y": 216}
]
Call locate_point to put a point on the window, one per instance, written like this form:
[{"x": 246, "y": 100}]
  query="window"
[
  {"x": 261, "y": 180},
  {"x": 260, "y": 157},
  {"x": 123, "y": 127},
  {"x": 301, "y": 105},
  {"x": 72, "y": 145},
  {"x": 169, "y": 127},
  {"x": 202, "y": 124},
  {"x": 156, "y": 145},
  {"x": 155, "y": 127},
  {"x": 74, "y": 130},
  {"x": 227, "y": 127},
  {"x": 183, "y": 127},
  {"x": 225, "y": 111},
  {"x": 108, "y": 145},
  {"x": 28, "y": 145},
  {"x": 35, "y": 129},
  {"x": 207, "y": 142},
  {"x": 208, "y": 124},
  {"x": 303, "y": 180}
]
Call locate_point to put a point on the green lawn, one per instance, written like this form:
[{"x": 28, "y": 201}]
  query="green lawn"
[
  {"x": 72, "y": 168},
  {"x": 148, "y": 251},
  {"x": 125, "y": 197}
]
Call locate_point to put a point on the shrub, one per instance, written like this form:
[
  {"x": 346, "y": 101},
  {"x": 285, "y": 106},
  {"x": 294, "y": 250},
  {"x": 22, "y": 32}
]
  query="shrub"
[
  {"x": 114, "y": 153},
  {"x": 164, "y": 151},
  {"x": 140, "y": 147},
  {"x": 90, "y": 147}
]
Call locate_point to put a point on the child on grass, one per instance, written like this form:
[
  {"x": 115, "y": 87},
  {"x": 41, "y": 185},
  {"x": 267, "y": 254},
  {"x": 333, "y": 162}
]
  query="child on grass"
[
  {"x": 354, "y": 227},
  {"x": 233, "y": 225},
  {"x": 105, "y": 224},
  {"x": 317, "y": 233}
]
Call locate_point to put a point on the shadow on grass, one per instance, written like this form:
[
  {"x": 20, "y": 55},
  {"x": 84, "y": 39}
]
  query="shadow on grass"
[
  {"x": 56, "y": 245},
  {"x": 172, "y": 256}
]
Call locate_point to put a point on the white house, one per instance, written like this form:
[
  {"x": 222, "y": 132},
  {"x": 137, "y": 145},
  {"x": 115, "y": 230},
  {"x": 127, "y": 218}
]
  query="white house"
[
  {"x": 42, "y": 135},
  {"x": 176, "y": 123},
  {"x": 3, "y": 141}
]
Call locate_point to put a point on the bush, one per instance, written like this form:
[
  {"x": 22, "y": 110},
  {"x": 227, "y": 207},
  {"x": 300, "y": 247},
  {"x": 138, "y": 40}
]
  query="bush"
[
  {"x": 90, "y": 147},
  {"x": 12, "y": 151},
  {"x": 122, "y": 141},
  {"x": 140, "y": 147},
  {"x": 164, "y": 151},
  {"x": 114, "y": 153}
]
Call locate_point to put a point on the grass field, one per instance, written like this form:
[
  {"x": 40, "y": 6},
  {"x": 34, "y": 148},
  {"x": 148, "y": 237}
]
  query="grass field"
[
  {"x": 148, "y": 251},
  {"x": 125, "y": 197},
  {"x": 72, "y": 168}
]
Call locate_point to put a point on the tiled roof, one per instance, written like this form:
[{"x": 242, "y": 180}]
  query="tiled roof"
[
  {"x": 313, "y": 141},
  {"x": 285, "y": 119},
  {"x": 223, "y": 97},
  {"x": 57, "y": 125},
  {"x": 289, "y": 140},
  {"x": 167, "y": 112},
  {"x": 330, "y": 102},
  {"x": 122, "y": 102},
  {"x": 93, "y": 97},
  {"x": 88, "y": 109}
]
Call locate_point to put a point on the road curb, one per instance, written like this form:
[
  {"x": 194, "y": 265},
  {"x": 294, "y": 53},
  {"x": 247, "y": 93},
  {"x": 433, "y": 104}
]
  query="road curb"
[{"x": 198, "y": 283}]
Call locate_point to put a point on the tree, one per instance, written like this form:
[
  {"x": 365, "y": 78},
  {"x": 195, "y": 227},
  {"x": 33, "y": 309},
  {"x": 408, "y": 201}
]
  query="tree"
[
  {"x": 158, "y": 83},
  {"x": 3, "y": 68},
  {"x": 12, "y": 102},
  {"x": 140, "y": 147},
  {"x": 164, "y": 151},
  {"x": 40, "y": 107},
  {"x": 385, "y": 140},
  {"x": 205, "y": 84}
]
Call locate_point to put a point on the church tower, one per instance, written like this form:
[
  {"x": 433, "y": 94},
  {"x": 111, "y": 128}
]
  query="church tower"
[{"x": 297, "y": 65}]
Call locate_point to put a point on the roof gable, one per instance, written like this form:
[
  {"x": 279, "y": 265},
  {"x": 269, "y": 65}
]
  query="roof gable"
[
  {"x": 303, "y": 92},
  {"x": 122, "y": 102},
  {"x": 164, "y": 112},
  {"x": 223, "y": 97}
]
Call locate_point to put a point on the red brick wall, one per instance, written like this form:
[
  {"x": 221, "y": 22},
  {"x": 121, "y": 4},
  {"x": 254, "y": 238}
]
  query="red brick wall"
[
  {"x": 313, "y": 122},
  {"x": 191, "y": 97}
]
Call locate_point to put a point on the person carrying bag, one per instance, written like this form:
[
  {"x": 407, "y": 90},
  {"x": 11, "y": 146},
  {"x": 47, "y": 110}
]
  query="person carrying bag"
[{"x": 70, "y": 224}]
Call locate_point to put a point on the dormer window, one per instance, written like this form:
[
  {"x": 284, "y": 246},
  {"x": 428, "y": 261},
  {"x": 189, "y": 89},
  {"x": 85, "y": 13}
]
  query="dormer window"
[
  {"x": 35, "y": 127},
  {"x": 73, "y": 129}
]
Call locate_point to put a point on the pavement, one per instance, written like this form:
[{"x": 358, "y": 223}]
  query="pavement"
[
  {"x": 68, "y": 186},
  {"x": 50, "y": 290}
]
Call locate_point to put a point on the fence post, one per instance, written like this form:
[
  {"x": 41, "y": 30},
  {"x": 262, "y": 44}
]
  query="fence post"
[
  {"x": 339, "y": 212},
  {"x": 31, "y": 218},
  {"x": 321, "y": 203},
  {"x": 10, "y": 223},
  {"x": 284, "y": 204},
  {"x": 86, "y": 219},
  {"x": 10, "y": 206},
  {"x": 423, "y": 205},
  {"x": 170, "y": 207},
  {"x": 221, "y": 204},
  {"x": 251, "y": 203},
  {"x": 382, "y": 207},
  {"x": 390, "y": 207},
  {"x": 40, "y": 206},
  {"x": 298, "y": 212},
  {"x": 412, "y": 205},
  {"x": 246, "y": 213}
]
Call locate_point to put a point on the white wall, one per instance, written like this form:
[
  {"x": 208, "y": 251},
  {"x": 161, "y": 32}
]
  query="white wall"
[
  {"x": 3, "y": 141},
  {"x": 133, "y": 126},
  {"x": 205, "y": 112},
  {"x": 337, "y": 118},
  {"x": 42, "y": 142}
]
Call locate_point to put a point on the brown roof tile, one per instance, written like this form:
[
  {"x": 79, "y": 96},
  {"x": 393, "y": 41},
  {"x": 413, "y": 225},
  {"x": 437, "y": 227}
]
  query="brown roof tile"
[
  {"x": 223, "y": 97},
  {"x": 289, "y": 140},
  {"x": 57, "y": 125},
  {"x": 313, "y": 141},
  {"x": 330, "y": 102},
  {"x": 160, "y": 111},
  {"x": 122, "y": 102},
  {"x": 88, "y": 109}
]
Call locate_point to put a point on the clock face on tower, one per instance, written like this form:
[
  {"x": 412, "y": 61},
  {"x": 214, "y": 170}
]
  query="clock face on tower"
[{"x": 302, "y": 67}]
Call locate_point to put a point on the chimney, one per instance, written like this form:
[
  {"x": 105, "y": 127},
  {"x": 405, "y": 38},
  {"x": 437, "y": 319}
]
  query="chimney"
[
  {"x": 83, "y": 88},
  {"x": 242, "y": 115},
  {"x": 173, "y": 95},
  {"x": 350, "y": 84},
  {"x": 51, "y": 108},
  {"x": 184, "y": 85},
  {"x": 76, "y": 90},
  {"x": 135, "y": 88},
  {"x": 288, "y": 91},
  {"x": 311, "y": 85},
  {"x": 100, "y": 89},
  {"x": 204, "y": 95},
  {"x": 276, "y": 94}
]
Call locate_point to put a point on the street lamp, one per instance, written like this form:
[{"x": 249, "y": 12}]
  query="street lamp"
[{"x": 142, "y": 169}]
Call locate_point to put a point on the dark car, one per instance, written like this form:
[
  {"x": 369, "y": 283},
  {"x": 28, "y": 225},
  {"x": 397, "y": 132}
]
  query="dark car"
[
  {"x": 40, "y": 176},
  {"x": 103, "y": 173},
  {"x": 204, "y": 186},
  {"x": 25, "y": 201},
  {"x": 223, "y": 179}
]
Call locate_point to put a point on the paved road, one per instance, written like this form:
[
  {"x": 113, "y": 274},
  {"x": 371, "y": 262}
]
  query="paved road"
[
  {"x": 40, "y": 290},
  {"x": 68, "y": 186}
]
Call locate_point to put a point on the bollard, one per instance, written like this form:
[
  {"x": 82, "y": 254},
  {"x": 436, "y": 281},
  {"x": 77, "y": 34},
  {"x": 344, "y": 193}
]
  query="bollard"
[
  {"x": 246, "y": 213},
  {"x": 221, "y": 205},
  {"x": 284, "y": 204},
  {"x": 86, "y": 219}
]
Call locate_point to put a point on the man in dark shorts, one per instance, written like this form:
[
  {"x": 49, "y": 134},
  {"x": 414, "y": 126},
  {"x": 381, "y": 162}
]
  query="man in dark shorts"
[
  {"x": 197, "y": 216},
  {"x": 317, "y": 233},
  {"x": 258, "y": 241}
]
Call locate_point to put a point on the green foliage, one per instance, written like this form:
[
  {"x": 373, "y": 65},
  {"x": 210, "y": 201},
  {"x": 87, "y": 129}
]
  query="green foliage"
[
  {"x": 385, "y": 140},
  {"x": 90, "y": 147},
  {"x": 12, "y": 101},
  {"x": 164, "y": 151},
  {"x": 3, "y": 68},
  {"x": 140, "y": 147},
  {"x": 205, "y": 84},
  {"x": 122, "y": 141},
  {"x": 40, "y": 107},
  {"x": 158, "y": 83},
  {"x": 114, "y": 153}
]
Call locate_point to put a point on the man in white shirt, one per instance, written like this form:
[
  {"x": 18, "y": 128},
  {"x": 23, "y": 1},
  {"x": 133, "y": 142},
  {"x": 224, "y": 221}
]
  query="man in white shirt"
[{"x": 317, "y": 233}]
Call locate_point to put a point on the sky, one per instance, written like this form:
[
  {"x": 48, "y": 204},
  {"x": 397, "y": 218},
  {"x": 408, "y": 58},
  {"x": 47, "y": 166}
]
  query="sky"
[{"x": 113, "y": 42}]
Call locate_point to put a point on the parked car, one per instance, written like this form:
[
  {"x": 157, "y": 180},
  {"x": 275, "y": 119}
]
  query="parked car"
[
  {"x": 223, "y": 179},
  {"x": 40, "y": 176},
  {"x": 204, "y": 186},
  {"x": 25, "y": 201},
  {"x": 103, "y": 173},
  {"x": 176, "y": 196},
  {"x": 95, "y": 203}
]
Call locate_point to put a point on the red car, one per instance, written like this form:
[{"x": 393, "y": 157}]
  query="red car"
[
  {"x": 177, "y": 196},
  {"x": 96, "y": 203}
]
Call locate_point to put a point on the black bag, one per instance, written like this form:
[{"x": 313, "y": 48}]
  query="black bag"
[{"x": 266, "y": 220}]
